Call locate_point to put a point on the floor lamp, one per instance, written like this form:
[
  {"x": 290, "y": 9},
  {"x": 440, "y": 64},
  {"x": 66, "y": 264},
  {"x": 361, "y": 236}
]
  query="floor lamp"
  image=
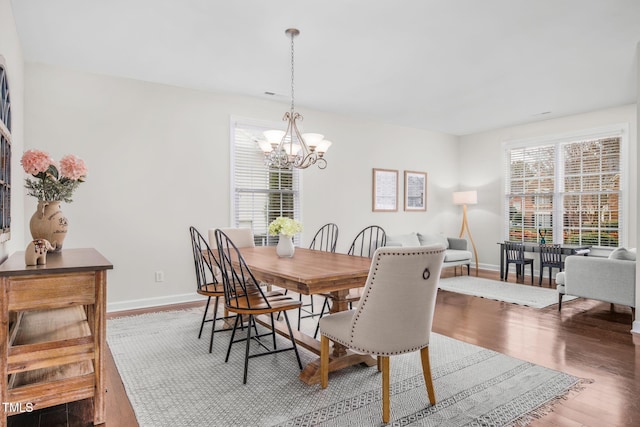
[{"x": 465, "y": 198}]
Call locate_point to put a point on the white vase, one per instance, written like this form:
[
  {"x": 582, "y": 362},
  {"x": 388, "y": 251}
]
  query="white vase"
[{"x": 285, "y": 248}]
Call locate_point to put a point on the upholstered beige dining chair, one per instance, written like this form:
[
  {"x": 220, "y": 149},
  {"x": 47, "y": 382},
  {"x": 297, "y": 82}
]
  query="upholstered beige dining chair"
[
  {"x": 394, "y": 315},
  {"x": 241, "y": 237}
]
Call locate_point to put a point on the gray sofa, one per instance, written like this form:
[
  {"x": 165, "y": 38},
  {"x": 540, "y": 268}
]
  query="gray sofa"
[
  {"x": 456, "y": 252},
  {"x": 610, "y": 279}
]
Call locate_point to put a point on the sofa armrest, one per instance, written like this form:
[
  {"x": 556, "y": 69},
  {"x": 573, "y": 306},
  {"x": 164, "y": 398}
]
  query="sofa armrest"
[
  {"x": 457, "y": 243},
  {"x": 604, "y": 279}
]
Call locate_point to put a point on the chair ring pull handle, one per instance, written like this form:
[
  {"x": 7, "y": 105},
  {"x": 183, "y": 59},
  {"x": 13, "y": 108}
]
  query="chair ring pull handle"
[{"x": 426, "y": 274}]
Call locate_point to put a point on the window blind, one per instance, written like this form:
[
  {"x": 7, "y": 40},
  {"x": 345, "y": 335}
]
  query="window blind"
[
  {"x": 564, "y": 191},
  {"x": 260, "y": 194}
]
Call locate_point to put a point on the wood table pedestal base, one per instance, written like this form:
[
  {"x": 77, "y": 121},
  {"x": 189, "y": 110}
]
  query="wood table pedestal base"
[{"x": 311, "y": 373}]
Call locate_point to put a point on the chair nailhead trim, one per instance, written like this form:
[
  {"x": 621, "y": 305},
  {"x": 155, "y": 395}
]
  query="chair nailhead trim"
[{"x": 366, "y": 296}]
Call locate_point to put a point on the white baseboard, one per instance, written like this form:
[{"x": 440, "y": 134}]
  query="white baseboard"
[{"x": 152, "y": 302}]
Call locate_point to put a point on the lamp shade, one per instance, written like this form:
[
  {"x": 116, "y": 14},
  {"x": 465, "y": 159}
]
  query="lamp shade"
[{"x": 465, "y": 197}]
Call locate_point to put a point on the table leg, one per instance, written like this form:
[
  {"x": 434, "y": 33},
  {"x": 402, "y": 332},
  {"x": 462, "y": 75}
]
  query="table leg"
[
  {"x": 340, "y": 356},
  {"x": 339, "y": 303}
]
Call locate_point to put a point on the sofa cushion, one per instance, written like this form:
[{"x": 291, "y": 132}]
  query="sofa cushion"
[
  {"x": 407, "y": 240},
  {"x": 451, "y": 255},
  {"x": 623, "y": 254},
  {"x": 428, "y": 239}
]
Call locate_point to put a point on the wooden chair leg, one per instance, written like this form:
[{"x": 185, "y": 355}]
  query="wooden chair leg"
[
  {"x": 559, "y": 301},
  {"x": 324, "y": 361},
  {"x": 386, "y": 412},
  {"x": 426, "y": 372},
  {"x": 379, "y": 363}
]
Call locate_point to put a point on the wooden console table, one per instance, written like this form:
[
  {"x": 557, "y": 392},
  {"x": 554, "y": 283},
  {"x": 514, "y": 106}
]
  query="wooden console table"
[{"x": 52, "y": 332}]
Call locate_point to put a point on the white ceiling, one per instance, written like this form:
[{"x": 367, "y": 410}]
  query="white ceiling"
[{"x": 456, "y": 66}]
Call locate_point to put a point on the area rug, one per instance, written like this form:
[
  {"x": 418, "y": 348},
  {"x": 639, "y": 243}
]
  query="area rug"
[
  {"x": 172, "y": 380},
  {"x": 531, "y": 296}
]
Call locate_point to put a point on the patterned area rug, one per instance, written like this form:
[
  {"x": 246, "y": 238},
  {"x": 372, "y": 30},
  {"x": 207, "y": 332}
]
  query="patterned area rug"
[
  {"x": 172, "y": 380},
  {"x": 531, "y": 296}
]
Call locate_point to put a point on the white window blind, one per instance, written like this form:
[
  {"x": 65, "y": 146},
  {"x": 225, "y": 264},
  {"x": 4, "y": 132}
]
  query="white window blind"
[
  {"x": 260, "y": 194},
  {"x": 565, "y": 191}
]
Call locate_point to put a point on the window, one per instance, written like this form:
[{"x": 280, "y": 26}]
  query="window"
[
  {"x": 5, "y": 155},
  {"x": 567, "y": 190},
  {"x": 260, "y": 194}
]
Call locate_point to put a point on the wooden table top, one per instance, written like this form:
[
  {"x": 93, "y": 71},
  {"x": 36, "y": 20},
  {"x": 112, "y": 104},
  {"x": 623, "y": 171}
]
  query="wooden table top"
[
  {"x": 309, "y": 271},
  {"x": 65, "y": 261}
]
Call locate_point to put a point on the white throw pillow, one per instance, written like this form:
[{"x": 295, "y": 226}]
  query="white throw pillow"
[
  {"x": 623, "y": 254},
  {"x": 406, "y": 240},
  {"x": 433, "y": 239}
]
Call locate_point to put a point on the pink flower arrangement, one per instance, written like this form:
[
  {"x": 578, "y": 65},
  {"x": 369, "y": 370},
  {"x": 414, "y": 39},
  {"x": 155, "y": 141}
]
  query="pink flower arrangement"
[
  {"x": 73, "y": 167},
  {"x": 53, "y": 183},
  {"x": 36, "y": 161}
]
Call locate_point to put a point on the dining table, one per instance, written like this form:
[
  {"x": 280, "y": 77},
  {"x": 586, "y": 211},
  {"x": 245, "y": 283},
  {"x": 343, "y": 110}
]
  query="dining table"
[
  {"x": 565, "y": 249},
  {"x": 312, "y": 272}
]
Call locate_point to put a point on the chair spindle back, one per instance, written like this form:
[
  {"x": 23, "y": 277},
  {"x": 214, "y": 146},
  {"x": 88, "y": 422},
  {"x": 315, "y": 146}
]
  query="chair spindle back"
[
  {"x": 368, "y": 240},
  {"x": 326, "y": 238}
]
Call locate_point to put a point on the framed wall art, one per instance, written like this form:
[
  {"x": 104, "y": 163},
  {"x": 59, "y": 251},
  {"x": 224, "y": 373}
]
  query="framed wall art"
[
  {"x": 415, "y": 191},
  {"x": 385, "y": 190}
]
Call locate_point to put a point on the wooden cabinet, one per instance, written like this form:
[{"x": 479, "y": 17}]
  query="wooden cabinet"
[{"x": 52, "y": 331}]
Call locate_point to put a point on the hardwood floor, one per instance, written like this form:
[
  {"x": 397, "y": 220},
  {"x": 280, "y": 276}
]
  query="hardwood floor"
[{"x": 588, "y": 339}]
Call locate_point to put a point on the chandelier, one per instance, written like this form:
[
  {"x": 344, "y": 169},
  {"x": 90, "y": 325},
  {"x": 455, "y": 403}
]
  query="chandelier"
[{"x": 291, "y": 149}]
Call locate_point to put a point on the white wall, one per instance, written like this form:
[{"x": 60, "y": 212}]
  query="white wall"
[
  {"x": 10, "y": 49},
  {"x": 158, "y": 159},
  {"x": 480, "y": 167}
]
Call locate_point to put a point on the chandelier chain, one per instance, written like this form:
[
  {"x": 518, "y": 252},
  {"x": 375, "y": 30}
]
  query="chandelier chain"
[{"x": 292, "y": 87}]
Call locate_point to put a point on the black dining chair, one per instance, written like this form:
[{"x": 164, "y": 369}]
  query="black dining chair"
[
  {"x": 550, "y": 256},
  {"x": 208, "y": 279},
  {"x": 515, "y": 255},
  {"x": 367, "y": 241},
  {"x": 364, "y": 244},
  {"x": 325, "y": 240},
  {"x": 244, "y": 296}
]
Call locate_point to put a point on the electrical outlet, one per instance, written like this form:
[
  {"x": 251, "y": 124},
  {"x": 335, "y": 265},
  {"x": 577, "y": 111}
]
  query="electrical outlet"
[{"x": 159, "y": 276}]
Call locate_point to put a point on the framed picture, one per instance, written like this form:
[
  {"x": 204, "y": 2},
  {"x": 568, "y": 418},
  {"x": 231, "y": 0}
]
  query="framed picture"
[
  {"x": 385, "y": 190},
  {"x": 415, "y": 191}
]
